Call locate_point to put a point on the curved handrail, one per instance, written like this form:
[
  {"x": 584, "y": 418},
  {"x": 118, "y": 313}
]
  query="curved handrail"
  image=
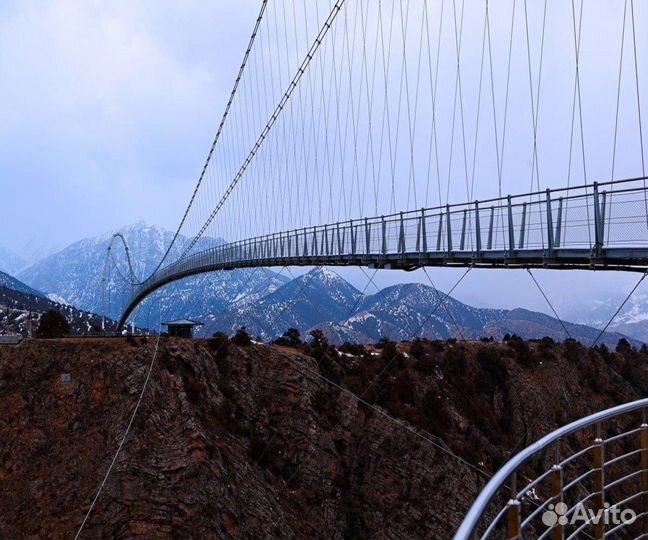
[{"x": 500, "y": 479}]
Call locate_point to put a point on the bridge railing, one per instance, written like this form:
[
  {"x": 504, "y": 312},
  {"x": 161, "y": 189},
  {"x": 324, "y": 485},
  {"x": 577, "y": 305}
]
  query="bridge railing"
[
  {"x": 596, "y": 215},
  {"x": 593, "y": 222},
  {"x": 588, "y": 479}
]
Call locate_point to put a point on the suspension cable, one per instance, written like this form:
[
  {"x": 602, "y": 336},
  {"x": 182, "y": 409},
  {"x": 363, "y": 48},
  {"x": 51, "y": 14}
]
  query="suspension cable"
[
  {"x": 273, "y": 118},
  {"x": 550, "y": 304},
  {"x": 123, "y": 439},
  {"x": 218, "y": 132}
]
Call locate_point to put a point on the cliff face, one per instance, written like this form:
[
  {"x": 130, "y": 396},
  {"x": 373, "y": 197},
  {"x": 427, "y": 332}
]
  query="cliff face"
[{"x": 249, "y": 442}]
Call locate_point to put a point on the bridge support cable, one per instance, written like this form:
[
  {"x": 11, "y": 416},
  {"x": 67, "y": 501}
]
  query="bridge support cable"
[
  {"x": 131, "y": 279},
  {"x": 580, "y": 360},
  {"x": 421, "y": 326},
  {"x": 621, "y": 306},
  {"x": 221, "y": 125},
  {"x": 439, "y": 443},
  {"x": 123, "y": 439},
  {"x": 618, "y": 103},
  {"x": 636, "y": 72},
  {"x": 445, "y": 307},
  {"x": 577, "y": 107},
  {"x": 567, "y": 332},
  {"x": 433, "y": 77},
  {"x": 478, "y": 115},
  {"x": 535, "y": 98},
  {"x": 639, "y": 117},
  {"x": 279, "y": 108}
]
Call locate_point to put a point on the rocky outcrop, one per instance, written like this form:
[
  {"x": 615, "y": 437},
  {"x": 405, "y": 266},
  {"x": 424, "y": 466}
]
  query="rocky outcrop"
[{"x": 252, "y": 442}]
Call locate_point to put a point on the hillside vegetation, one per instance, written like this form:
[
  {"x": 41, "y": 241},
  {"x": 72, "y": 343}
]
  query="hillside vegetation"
[{"x": 250, "y": 441}]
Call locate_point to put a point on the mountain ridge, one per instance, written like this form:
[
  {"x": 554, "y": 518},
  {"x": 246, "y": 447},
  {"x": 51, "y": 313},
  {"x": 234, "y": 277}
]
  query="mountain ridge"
[{"x": 268, "y": 303}]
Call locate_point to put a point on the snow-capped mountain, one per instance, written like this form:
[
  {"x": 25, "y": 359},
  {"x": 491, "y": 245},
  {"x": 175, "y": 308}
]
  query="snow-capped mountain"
[
  {"x": 20, "y": 312},
  {"x": 75, "y": 276},
  {"x": 632, "y": 320},
  {"x": 404, "y": 311},
  {"x": 14, "y": 284},
  {"x": 10, "y": 262},
  {"x": 38, "y": 247},
  {"x": 321, "y": 299},
  {"x": 320, "y": 295},
  {"x": 267, "y": 303}
]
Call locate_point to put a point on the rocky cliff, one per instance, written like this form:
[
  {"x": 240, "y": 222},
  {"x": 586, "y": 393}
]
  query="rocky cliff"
[{"x": 251, "y": 442}]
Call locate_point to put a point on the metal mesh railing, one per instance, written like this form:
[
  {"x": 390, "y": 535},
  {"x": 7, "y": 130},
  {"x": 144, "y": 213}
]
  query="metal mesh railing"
[
  {"x": 553, "y": 227},
  {"x": 588, "y": 479}
]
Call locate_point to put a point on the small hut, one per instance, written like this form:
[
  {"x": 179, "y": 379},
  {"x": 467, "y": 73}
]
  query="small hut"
[{"x": 181, "y": 328}]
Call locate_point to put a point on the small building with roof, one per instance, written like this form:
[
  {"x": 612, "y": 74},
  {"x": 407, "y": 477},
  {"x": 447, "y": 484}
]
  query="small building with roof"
[{"x": 181, "y": 328}]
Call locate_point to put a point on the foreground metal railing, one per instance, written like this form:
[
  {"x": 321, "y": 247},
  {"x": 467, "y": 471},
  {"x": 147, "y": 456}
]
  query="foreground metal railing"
[
  {"x": 599, "y": 225},
  {"x": 588, "y": 479}
]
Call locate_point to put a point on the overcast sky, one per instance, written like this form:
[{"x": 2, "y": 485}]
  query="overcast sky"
[{"x": 108, "y": 108}]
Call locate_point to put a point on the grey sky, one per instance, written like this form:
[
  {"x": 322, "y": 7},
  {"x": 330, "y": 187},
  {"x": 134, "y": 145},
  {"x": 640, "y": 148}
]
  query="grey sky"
[{"x": 109, "y": 108}]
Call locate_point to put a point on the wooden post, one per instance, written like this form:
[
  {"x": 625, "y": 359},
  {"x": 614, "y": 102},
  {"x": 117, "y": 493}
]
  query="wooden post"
[
  {"x": 644, "y": 470},
  {"x": 598, "y": 500},
  {"x": 558, "y": 532},
  {"x": 513, "y": 513}
]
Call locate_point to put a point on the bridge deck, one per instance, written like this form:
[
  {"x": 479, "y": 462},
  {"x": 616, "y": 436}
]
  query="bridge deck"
[{"x": 598, "y": 226}]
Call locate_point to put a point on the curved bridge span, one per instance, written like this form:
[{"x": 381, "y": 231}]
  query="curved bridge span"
[
  {"x": 567, "y": 228},
  {"x": 599, "y": 226}
]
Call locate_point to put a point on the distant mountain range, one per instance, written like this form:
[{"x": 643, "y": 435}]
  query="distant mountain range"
[
  {"x": 632, "y": 320},
  {"x": 75, "y": 275},
  {"x": 12, "y": 283},
  {"x": 10, "y": 262},
  {"x": 21, "y": 307},
  {"x": 323, "y": 300},
  {"x": 267, "y": 303}
]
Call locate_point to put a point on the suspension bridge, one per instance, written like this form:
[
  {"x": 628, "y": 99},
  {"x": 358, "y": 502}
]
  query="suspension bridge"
[
  {"x": 401, "y": 134},
  {"x": 390, "y": 135}
]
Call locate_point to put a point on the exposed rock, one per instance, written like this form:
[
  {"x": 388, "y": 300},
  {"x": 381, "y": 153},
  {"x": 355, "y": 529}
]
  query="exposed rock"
[{"x": 252, "y": 443}]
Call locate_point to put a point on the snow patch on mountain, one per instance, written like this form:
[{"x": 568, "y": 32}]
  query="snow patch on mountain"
[
  {"x": 76, "y": 274},
  {"x": 58, "y": 299}
]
